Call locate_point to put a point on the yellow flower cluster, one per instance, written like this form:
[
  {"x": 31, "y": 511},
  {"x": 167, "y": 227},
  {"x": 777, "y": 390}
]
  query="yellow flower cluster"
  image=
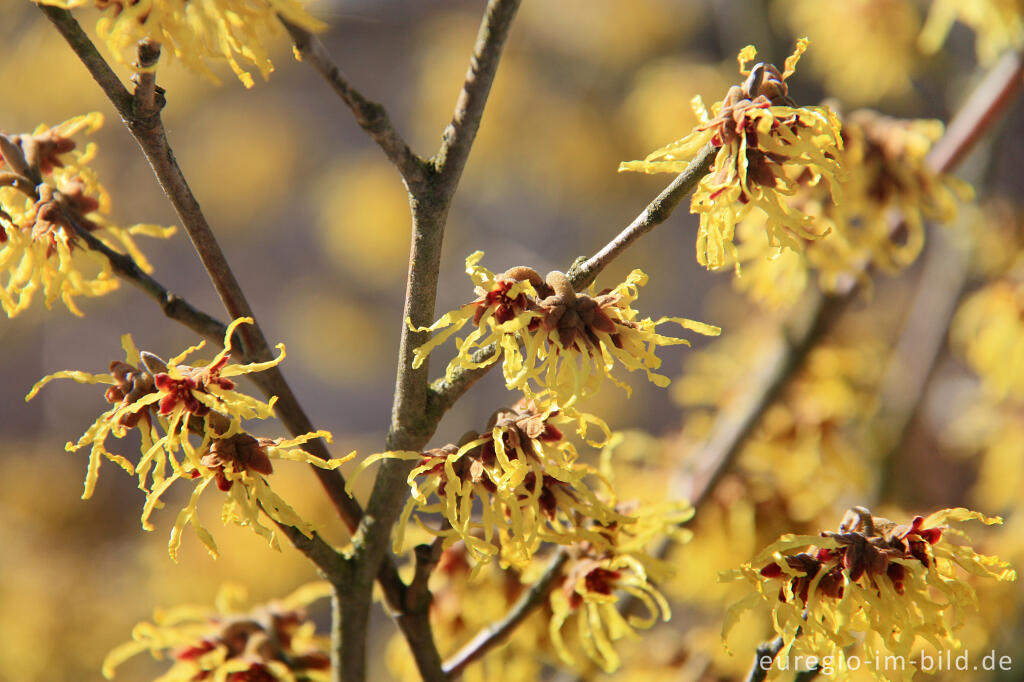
[
  {"x": 276, "y": 641},
  {"x": 171, "y": 404},
  {"x": 555, "y": 343},
  {"x": 196, "y": 31},
  {"x": 49, "y": 196},
  {"x": 888, "y": 175},
  {"x": 601, "y": 575},
  {"x": 527, "y": 478},
  {"x": 889, "y": 192},
  {"x": 768, "y": 150},
  {"x": 874, "y": 582}
]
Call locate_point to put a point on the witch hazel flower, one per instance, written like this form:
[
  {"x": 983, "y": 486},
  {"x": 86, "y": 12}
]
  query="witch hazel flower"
[
  {"x": 506, "y": 491},
  {"x": 874, "y": 582},
  {"x": 232, "y": 642},
  {"x": 601, "y": 574},
  {"x": 190, "y": 423},
  {"x": 49, "y": 196},
  {"x": 768, "y": 149},
  {"x": 555, "y": 343}
]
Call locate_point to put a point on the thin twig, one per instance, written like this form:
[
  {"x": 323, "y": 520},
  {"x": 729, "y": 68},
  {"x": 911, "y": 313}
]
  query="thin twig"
[
  {"x": 734, "y": 425},
  {"x": 426, "y": 558},
  {"x": 498, "y": 632},
  {"x": 656, "y": 213},
  {"x": 174, "y": 307},
  {"x": 911, "y": 362},
  {"x": 458, "y": 137},
  {"x": 146, "y": 101},
  {"x": 330, "y": 562},
  {"x": 371, "y": 116}
]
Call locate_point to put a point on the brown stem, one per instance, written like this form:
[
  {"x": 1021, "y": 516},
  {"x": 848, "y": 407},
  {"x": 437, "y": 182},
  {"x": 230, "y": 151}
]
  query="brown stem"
[
  {"x": 410, "y": 428},
  {"x": 657, "y": 212},
  {"x": 426, "y": 556},
  {"x": 981, "y": 110},
  {"x": 330, "y": 562},
  {"x": 146, "y": 100},
  {"x": 459, "y": 135},
  {"x": 178, "y": 309},
  {"x": 733, "y": 426},
  {"x": 148, "y": 130},
  {"x": 498, "y": 632},
  {"x": 371, "y": 116}
]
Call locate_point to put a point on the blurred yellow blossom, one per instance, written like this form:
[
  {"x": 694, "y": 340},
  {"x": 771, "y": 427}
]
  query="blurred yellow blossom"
[
  {"x": 989, "y": 327},
  {"x": 998, "y": 25},
  {"x": 49, "y": 196},
  {"x": 882, "y": 34},
  {"x": 197, "y": 30},
  {"x": 889, "y": 193},
  {"x": 768, "y": 149},
  {"x": 275, "y": 641},
  {"x": 169, "y": 403}
]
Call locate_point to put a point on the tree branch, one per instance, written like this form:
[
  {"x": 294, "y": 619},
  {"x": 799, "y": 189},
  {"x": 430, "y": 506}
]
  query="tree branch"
[
  {"x": 497, "y": 632},
  {"x": 174, "y": 307},
  {"x": 147, "y": 129},
  {"x": 734, "y": 425},
  {"x": 655, "y": 214},
  {"x": 330, "y": 562},
  {"x": 979, "y": 113},
  {"x": 410, "y": 428},
  {"x": 459, "y": 135},
  {"x": 371, "y": 116}
]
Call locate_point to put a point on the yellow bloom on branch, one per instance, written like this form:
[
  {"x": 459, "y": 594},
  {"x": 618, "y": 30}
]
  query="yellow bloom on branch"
[
  {"x": 49, "y": 197},
  {"x": 527, "y": 478},
  {"x": 190, "y": 421},
  {"x": 889, "y": 192},
  {"x": 198, "y": 31},
  {"x": 768, "y": 149},
  {"x": 275, "y": 641},
  {"x": 876, "y": 582},
  {"x": 602, "y": 573},
  {"x": 553, "y": 341}
]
